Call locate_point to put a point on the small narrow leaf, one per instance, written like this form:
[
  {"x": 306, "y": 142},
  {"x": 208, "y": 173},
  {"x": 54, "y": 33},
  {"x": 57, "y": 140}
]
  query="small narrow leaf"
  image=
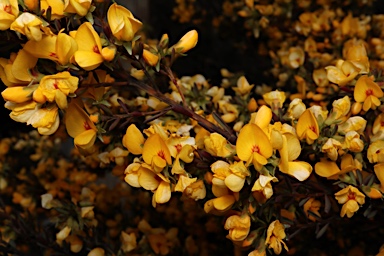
[{"x": 322, "y": 231}]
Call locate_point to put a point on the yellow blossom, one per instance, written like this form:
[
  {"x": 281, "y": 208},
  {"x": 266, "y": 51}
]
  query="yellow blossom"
[
  {"x": 367, "y": 91},
  {"x": 89, "y": 54},
  {"x": 156, "y": 153},
  {"x": 296, "y": 108},
  {"x": 58, "y": 48},
  {"x": 80, "y": 127},
  {"x": 243, "y": 87},
  {"x": 18, "y": 70},
  {"x": 220, "y": 204},
  {"x": 183, "y": 182},
  {"x": 63, "y": 233},
  {"x": 29, "y": 25},
  {"x": 354, "y": 123},
  {"x": 263, "y": 187},
  {"x": 196, "y": 190},
  {"x": 341, "y": 108},
  {"x": 57, "y": 87},
  {"x": 353, "y": 142},
  {"x": 296, "y": 57},
  {"x": 312, "y": 205},
  {"x": 133, "y": 140},
  {"x": 275, "y": 236},
  {"x": 217, "y": 145},
  {"x": 357, "y": 55},
  {"x": 128, "y": 241},
  {"x": 253, "y": 146},
  {"x": 150, "y": 58},
  {"x": 307, "y": 127},
  {"x": 122, "y": 22},
  {"x": 274, "y": 99},
  {"x": 379, "y": 171},
  {"x": 80, "y": 7},
  {"x": 331, "y": 147},
  {"x": 18, "y": 94},
  {"x": 22, "y": 112},
  {"x": 375, "y": 152},
  {"x": 343, "y": 73},
  {"x": 46, "y": 120},
  {"x": 187, "y": 42},
  {"x": 238, "y": 227},
  {"x": 9, "y": 10},
  {"x": 351, "y": 198},
  {"x": 320, "y": 77}
]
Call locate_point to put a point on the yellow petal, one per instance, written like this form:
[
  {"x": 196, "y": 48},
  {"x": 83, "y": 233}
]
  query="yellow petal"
[
  {"x": 22, "y": 64},
  {"x": 263, "y": 117},
  {"x": 133, "y": 140},
  {"x": 223, "y": 203},
  {"x": 85, "y": 139},
  {"x": 155, "y": 146},
  {"x": 77, "y": 121},
  {"x": 326, "y": 168},
  {"x": 234, "y": 182},
  {"x": 88, "y": 60},
  {"x": 300, "y": 170},
  {"x": 148, "y": 179},
  {"x": 163, "y": 193}
]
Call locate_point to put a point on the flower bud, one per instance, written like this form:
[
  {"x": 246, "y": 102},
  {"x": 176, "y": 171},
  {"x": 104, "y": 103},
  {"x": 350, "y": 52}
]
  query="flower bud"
[
  {"x": 187, "y": 42},
  {"x": 150, "y": 58}
]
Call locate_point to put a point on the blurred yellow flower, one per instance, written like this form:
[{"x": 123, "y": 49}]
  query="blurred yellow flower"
[
  {"x": 296, "y": 108},
  {"x": 9, "y": 10},
  {"x": 275, "y": 236},
  {"x": 46, "y": 120},
  {"x": 122, "y": 22},
  {"x": 243, "y": 87},
  {"x": 312, "y": 205},
  {"x": 343, "y": 73},
  {"x": 253, "y": 146},
  {"x": 351, "y": 199},
  {"x": 150, "y": 58},
  {"x": 367, "y": 91},
  {"x": 238, "y": 227},
  {"x": 274, "y": 99},
  {"x": 307, "y": 127}
]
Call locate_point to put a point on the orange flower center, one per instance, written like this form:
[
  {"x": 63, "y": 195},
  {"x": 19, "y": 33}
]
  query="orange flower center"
[
  {"x": 8, "y": 9},
  {"x": 369, "y": 92},
  {"x": 352, "y": 196},
  {"x": 95, "y": 49},
  {"x": 161, "y": 154},
  {"x": 56, "y": 85},
  {"x": 312, "y": 128},
  {"x": 86, "y": 126},
  {"x": 256, "y": 149},
  {"x": 178, "y": 147},
  {"x": 52, "y": 54}
]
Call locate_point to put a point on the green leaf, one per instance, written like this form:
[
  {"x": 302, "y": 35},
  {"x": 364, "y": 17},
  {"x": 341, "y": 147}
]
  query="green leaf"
[{"x": 322, "y": 231}]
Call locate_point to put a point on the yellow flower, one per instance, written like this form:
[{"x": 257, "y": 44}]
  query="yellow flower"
[
  {"x": 351, "y": 198},
  {"x": 355, "y": 123},
  {"x": 133, "y": 140},
  {"x": 331, "y": 148},
  {"x": 353, "y": 142},
  {"x": 57, "y": 8},
  {"x": 313, "y": 206},
  {"x": 29, "y": 25},
  {"x": 187, "y": 42},
  {"x": 80, "y": 127},
  {"x": 156, "y": 153},
  {"x": 58, "y": 48},
  {"x": 243, "y": 87},
  {"x": 262, "y": 118},
  {"x": 79, "y": 7},
  {"x": 296, "y": 57},
  {"x": 263, "y": 187},
  {"x": 375, "y": 152},
  {"x": 307, "y": 127},
  {"x": 21, "y": 112},
  {"x": 342, "y": 73},
  {"x": 89, "y": 54},
  {"x": 253, "y": 145},
  {"x": 341, "y": 108},
  {"x": 217, "y": 145},
  {"x": 46, "y": 120},
  {"x": 57, "y": 87},
  {"x": 9, "y": 10},
  {"x": 320, "y": 77},
  {"x": 128, "y": 241},
  {"x": 183, "y": 182},
  {"x": 274, "y": 99},
  {"x": 296, "y": 108},
  {"x": 367, "y": 91},
  {"x": 379, "y": 171},
  {"x": 122, "y": 23},
  {"x": 17, "y": 71},
  {"x": 220, "y": 204},
  {"x": 150, "y": 58},
  {"x": 275, "y": 236},
  {"x": 238, "y": 227},
  {"x": 196, "y": 190},
  {"x": 357, "y": 55}
]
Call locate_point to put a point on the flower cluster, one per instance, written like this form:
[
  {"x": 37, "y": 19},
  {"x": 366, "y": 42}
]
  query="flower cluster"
[{"x": 304, "y": 151}]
